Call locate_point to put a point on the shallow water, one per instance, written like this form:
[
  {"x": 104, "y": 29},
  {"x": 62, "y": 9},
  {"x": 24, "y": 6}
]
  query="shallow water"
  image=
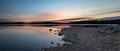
[{"x": 27, "y": 38}]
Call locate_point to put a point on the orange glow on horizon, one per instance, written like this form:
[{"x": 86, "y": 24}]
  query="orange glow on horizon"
[{"x": 62, "y": 17}]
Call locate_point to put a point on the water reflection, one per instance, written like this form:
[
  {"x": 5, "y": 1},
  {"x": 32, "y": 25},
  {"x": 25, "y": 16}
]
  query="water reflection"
[
  {"x": 60, "y": 38},
  {"x": 27, "y": 38}
]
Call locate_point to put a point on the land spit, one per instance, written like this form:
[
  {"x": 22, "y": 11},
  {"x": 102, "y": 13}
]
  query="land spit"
[{"x": 101, "y": 38}]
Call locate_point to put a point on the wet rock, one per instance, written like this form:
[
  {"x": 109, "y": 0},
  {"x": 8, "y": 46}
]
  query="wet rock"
[
  {"x": 52, "y": 42},
  {"x": 50, "y": 29},
  {"x": 59, "y": 34}
]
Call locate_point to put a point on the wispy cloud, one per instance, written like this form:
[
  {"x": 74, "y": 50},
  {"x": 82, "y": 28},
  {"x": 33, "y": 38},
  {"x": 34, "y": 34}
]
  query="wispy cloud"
[
  {"x": 73, "y": 19},
  {"x": 103, "y": 11},
  {"x": 98, "y": 14},
  {"x": 5, "y": 20}
]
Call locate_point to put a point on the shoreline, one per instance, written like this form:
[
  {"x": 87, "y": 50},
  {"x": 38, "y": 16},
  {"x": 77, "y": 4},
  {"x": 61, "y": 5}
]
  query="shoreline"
[{"x": 102, "y": 38}]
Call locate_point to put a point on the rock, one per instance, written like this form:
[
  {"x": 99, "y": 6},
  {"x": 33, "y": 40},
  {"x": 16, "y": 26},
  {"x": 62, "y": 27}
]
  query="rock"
[
  {"x": 50, "y": 29},
  {"x": 52, "y": 42}
]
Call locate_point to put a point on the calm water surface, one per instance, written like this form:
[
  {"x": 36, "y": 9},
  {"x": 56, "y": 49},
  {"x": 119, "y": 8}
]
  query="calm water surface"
[{"x": 27, "y": 38}]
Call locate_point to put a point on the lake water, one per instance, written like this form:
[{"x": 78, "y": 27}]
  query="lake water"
[{"x": 27, "y": 38}]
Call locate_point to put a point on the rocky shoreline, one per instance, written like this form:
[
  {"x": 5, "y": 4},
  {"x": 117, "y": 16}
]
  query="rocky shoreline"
[{"x": 102, "y": 38}]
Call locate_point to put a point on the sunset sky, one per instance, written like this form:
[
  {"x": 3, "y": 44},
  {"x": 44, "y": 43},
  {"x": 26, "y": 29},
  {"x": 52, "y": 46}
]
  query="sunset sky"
[{"x": 47, "y": 10}]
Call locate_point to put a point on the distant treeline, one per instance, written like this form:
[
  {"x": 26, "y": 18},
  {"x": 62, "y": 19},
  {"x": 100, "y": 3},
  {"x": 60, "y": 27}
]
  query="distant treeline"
[
  {"x": 117, "y": 21},
  {"x": 47, "y": 22},
  {"x": 12, "y": 23}
]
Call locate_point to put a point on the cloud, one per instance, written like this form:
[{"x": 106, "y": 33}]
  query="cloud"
[
  {"x": 46, "y": 16},
  {"x": 4, "y": 20},
  {"x": 103, "y": 11},
  {"x": 7, "y": 15},
  {"x": 74, "y": 19},
  {"x": 8, "y": 12},
  {"x": 106, "y": 13}
]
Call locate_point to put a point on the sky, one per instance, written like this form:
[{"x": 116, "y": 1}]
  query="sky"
[{"x": 48, "y": 10}]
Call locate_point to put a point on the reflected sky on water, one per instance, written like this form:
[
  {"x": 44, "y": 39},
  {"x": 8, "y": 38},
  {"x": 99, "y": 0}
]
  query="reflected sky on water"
[{"x": 27, "y": 38}]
